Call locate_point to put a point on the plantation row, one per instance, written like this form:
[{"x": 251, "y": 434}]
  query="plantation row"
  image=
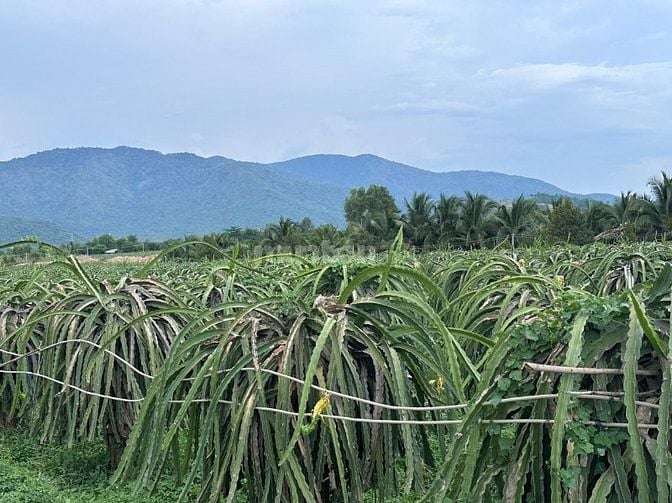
[{"x": 340, "y": 379}]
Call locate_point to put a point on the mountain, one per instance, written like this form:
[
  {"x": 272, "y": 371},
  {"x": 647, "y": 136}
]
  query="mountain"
[
  {"x": 125, "y": 190},
  {"x": 156, "y": 196},
  {"x": 404, "y": 180},
  {"x": 17, "y": 228}
]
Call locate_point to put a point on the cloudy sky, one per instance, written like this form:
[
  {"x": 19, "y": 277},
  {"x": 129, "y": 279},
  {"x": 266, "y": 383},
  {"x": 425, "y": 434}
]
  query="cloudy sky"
[{"x": 578, "y": 93}]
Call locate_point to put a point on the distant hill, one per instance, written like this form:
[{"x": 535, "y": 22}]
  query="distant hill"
[
  {"x": 91, "y": 191},
  {"x": 125, "y": 190},
  {"x": 17, "y": 228},
  {"x": 404, "y": 180}
]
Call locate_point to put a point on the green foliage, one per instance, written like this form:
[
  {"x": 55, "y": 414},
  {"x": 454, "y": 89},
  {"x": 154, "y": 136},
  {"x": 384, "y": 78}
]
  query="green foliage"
[
  {"x": 286, "y": 233},
  {"x": 476, "y": 219},
  {"x": 33, "y": 473},
  {"x": 600, "y": 217},
  {"x": 371, "y": 215},
  {"x": 654, "y": 212},
  {"x": 418, "y": 221},
  {"x": 567, "y": 224},
  {"x": 227, "y": 362},
  {"x": 519, "y": 220}
]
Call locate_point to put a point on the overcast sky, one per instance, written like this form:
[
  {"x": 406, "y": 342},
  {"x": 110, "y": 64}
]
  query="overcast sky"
[{"x": 578, "y": 93}]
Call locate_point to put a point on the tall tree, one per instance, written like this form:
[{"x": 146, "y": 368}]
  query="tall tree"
[
  {"x": 656, "y": 209},
  {"x": 418, "y": 220},
  {"x": 285, "y": 233},
  {"x": 447, "y": 219},
  {"x": 305, "y": 225},
  {"x": 600, "y": 217},
  {"x": 477, "y": 219},
  {"x": 218, "y": 239},
  {"x": 516, "y": 220},
  {"x": 372, "y": 215},
  {"x": 325, "y": 235},
  {"x": 624, "y": 208},
  {"x": 567, "y": 223}
]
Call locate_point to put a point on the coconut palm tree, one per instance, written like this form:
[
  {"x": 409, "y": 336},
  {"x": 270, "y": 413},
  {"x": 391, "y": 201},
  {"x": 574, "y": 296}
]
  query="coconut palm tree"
[
  {"x": 517, "y": 219},
  {"x": 476, "y": 219},
  {"x": 624, "y": 208},
  {"x": 325, "y": 235},
  {"x": 219, "y": 239},
  {"x": 656, "y": 209},
  {"x": 284, "y": 234},
  {"x": 418, "y": 221},
  {"x": 305, "y": 225},
  {"x": 447, "y": 218},
  {"x": 376, "y": 229},
  {"x": 600, "y": 217}
]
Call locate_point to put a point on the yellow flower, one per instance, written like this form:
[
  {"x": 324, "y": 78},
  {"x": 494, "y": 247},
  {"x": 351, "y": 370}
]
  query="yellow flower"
[
  {"x": 320, "y": 407},
  {"x": 438, "y": 383},
  {"x": 560, "y": 280}
]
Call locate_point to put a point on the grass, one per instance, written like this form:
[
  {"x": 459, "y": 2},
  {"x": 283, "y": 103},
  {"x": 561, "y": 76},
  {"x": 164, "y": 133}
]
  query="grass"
[{"x": 34, "y": 473}]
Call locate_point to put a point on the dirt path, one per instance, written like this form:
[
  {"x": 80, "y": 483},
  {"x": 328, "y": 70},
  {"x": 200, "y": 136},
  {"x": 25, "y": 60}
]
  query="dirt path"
[{"x": 115, "y": 259}]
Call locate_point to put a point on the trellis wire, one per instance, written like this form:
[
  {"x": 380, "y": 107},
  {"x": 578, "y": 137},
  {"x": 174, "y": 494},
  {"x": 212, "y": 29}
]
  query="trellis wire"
[
  {"x": 594, "y": 395},
  {"x": 418, "y": 422}
]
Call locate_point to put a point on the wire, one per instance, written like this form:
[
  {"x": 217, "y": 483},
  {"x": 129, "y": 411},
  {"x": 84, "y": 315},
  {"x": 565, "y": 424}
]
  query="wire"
[
  {"x": 594, "y": 395},
  {"x": 81, "y": 341},
  {"x": 336, "y": 417}
]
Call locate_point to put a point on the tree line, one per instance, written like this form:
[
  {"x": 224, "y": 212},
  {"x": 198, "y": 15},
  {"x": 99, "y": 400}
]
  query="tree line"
[
  {"x": 475, "y": 221},
  {"x": 472, "y": 221}
]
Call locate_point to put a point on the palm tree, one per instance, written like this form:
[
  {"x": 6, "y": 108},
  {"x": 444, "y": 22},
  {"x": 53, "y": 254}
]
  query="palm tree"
[
  {"x": 376, "y": 229},
  {"x": 418, "y": 220},
  {"x": 284, "y": 233},
  {"x": 656, "y": 209},
  {"x": 218, "y": 239},
  {"x": 447, "y": 218},
  {"x": 600, "y": 217},
  {"x": 624, "y": 208},
  {"x": 517, "y": 219},
  {"x": 325, "y": 235},
  {"x": 476, "y": 220},
  {"x": 305, "y": 225}
]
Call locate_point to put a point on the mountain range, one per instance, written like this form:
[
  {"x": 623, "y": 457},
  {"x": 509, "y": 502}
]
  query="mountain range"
[{"x": 61, "y": 193}]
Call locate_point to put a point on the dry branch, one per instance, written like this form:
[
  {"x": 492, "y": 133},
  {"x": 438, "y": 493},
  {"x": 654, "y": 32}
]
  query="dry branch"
[{"x": 538, "y": 367}]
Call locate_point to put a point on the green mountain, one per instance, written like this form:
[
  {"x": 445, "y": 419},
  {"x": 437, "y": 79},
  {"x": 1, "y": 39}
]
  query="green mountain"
[
  {"x": 156, "y": 196},
  {"x": 17, "y": 228},
  {"x": 404, "y": 180}
]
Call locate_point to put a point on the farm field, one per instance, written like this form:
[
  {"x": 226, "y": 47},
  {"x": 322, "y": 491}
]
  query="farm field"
[{"x": 488, "y": 375}]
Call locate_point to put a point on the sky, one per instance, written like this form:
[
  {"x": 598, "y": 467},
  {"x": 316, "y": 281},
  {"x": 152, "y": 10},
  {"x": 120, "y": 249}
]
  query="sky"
[{"x": 577, "y": 93}]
